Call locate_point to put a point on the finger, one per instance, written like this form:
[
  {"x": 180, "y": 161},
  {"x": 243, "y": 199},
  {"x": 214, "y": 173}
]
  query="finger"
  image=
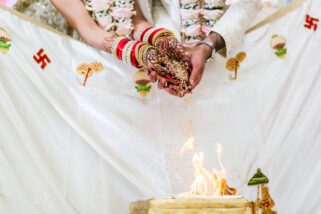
[
  {"x": 147, "y": 71},
  {"x": 171, "y": 91},
  {"x": 196, "y": 75},
  {"x": 197, "y": 65},
  {"x": 161, "y": 83},
  {"x": 153, "y": 76},
  {"x": 159, "y": 69}
]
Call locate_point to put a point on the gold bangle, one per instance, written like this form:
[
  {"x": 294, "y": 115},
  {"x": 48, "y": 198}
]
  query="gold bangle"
[
  {"x": 137, "y": 48},
  {"x": 145, "y": 54},
  {"x": 160, "y": 37},
  {"x": 140, "y": 55},
  {"x": 161, "y": 33}
]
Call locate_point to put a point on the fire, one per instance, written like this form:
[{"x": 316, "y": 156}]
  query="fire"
[{"x": 208, "y": 183}]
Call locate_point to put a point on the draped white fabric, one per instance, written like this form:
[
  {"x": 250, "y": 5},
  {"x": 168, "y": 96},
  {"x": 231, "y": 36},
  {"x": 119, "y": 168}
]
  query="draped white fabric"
[{"x": 65, "y": 148}]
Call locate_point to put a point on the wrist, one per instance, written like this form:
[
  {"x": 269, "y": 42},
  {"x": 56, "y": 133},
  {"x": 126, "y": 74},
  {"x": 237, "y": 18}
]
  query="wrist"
[
  {"x": 217, "y": 39},
  {"x": 106, "y": 41},
  {"x": 139, "y": 27},
  {"x": 206, "y": 50}
]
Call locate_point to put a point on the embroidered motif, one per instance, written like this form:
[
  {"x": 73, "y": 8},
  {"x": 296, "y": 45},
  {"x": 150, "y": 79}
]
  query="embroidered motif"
[
  {"x": 142, "y": 83},
  {"x": 42, "y": 59},
  {"x": 5, "y": 41},
  {"x": 233, "y": 64},
  {"x": 278, "y": 44},
  {"x": 265, "y": 203},
  {"x": 311, "y": 22},
  {"x": 87, "y": 70}
]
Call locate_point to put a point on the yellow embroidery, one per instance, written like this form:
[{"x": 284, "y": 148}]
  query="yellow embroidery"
[
  {"x": 87, "y": 70},
  {"x": 5, "y": 41},
  {"x": 278, "y": 43},
  {"x": 142, "y": 83},
  {"x": 233, "y": 64}
]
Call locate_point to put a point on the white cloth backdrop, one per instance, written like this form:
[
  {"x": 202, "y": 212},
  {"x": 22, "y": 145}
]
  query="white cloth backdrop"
[{"x": 65, "y": 148}]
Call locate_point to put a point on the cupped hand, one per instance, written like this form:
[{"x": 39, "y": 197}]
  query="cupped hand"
[
  {"x": 170, "y": 48},
  {"x": 198, "y": 56},
  {"x": 170, "y": 52},
  {"x": 157, "y": 68}
]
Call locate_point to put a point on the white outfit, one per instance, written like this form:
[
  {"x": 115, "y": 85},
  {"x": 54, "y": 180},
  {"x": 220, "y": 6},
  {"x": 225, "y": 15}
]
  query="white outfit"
[
  {"x": 65, "y": 148},
  {"x": 238, "y": 18},
  {"x": 240, "y": 15}
]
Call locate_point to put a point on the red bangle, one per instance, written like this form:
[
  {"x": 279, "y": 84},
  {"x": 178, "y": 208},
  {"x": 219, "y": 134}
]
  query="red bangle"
[
  {"x": 120, "y": 46},
  {"x": 144, "y": 32},
  {"x": 133, "y": 55},
  {"x": 150, "y": 38}
]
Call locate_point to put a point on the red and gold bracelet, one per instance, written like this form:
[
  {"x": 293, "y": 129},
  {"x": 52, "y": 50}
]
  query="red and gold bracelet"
[
  {"x": 120, "y": 47},
  {"x": 133, "y": 56},
  {"x": 160, "y": 34},
  {"x": 115, "y": 44},
  {"x": 138, "y": 47},
  {"x": 126, "y": 52},
  {"x": 151, "y": 34},
  {"x": 140, "y": 55},
  {"x": 133, "y": 53},
  {"x": 144, "y": 32}
]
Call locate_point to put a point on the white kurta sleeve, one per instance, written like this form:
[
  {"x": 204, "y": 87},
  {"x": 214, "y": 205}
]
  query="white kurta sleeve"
[
  {"x": 236, "y": 20},
  {"x": 146, "y": 7},
  {"x": 172, "y": 8}
]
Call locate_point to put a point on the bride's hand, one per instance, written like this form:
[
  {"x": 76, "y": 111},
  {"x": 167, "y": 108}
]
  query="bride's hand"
[
  {"x": 170, "y": 47},
  {"x": 171, "y": 50},
  {"x": 156, "y": 68}
]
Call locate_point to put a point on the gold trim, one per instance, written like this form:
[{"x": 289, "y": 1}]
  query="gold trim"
[
  {"x": 34, "y": 21},
  {"x": 277, "y": 15}
]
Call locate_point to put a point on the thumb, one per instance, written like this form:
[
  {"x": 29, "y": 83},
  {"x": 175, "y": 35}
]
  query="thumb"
[{"x": 194, "y": 74}]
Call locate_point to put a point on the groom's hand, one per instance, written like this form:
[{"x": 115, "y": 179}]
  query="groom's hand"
[
  {"x": 198, "y": 57},
  {"x": 200, "y": 54}
]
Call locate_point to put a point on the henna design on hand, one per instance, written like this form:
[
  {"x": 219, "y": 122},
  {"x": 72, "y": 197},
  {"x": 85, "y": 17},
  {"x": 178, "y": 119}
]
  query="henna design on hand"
[{"x": 108, "y": 43}]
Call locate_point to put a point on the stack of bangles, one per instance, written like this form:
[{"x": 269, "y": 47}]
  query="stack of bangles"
[
  {"x": 151, "y": 35},
  {"x": 135, "y": 52},
  {"x": 131, "y": 52}
]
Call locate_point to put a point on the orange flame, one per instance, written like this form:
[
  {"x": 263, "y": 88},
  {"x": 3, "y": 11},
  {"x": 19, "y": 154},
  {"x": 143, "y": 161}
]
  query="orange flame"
[{"x": 207, "y": 183}]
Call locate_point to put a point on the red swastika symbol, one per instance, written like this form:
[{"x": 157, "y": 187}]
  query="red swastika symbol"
[
  {"x": 311, "y": 22},
  {"x": 42, "y": 58}
]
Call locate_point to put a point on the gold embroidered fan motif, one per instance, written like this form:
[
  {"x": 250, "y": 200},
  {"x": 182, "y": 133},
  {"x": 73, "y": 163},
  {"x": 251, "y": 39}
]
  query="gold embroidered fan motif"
[
  {"x": 233, "y": 64},
  {"x": 87, "y": 70}
]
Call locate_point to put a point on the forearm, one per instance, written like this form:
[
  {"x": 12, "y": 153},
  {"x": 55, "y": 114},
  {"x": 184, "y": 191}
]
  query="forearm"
[
  {"x": 237, "y": 19},
  {"x": 76, "y": 14}
]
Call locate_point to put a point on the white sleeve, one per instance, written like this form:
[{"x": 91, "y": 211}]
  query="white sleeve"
[
  {"x": 236, "y": 20},
  {"x": 172, "y": 8},
  {"x": 146, "y": 8}
]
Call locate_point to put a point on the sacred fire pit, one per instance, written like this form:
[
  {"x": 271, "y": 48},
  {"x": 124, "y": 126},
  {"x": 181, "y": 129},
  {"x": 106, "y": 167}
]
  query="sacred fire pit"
[
  {"x": 192, "y": 205},
  {"x": 209, "y": 193}
]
